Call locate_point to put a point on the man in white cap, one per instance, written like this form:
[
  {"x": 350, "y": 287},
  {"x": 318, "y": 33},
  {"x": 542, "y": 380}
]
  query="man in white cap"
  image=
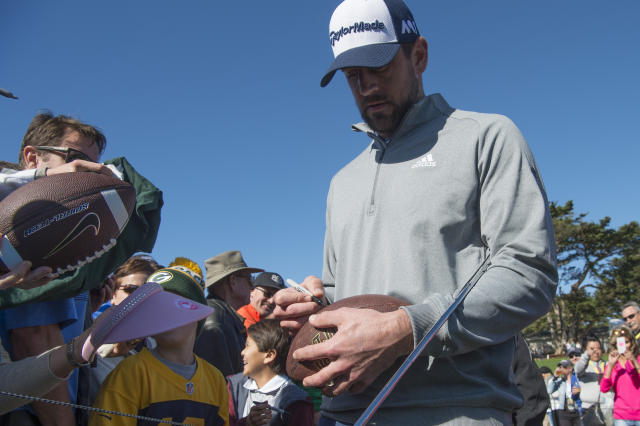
[{"x": 414, "y": 215}]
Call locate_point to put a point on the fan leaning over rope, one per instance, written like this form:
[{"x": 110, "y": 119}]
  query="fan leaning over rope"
[{"x": 151, "y": 310}]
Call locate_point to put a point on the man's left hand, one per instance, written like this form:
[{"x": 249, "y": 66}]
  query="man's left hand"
[{"x": 367, "y": 343}]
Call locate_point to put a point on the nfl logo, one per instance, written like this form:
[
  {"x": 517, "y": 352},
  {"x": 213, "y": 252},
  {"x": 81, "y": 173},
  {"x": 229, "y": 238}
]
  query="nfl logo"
[{"x": 189, "y": 388}]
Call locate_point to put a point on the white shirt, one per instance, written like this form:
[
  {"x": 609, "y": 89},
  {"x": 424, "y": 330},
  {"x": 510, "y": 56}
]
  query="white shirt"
[{"x": 266, "y": 393}]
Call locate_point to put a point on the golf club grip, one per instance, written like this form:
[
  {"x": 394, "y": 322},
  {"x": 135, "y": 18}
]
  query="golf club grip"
[{"x": 408, "y": 362}]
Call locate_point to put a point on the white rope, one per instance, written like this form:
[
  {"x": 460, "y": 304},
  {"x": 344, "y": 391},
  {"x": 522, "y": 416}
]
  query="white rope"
[{"x": 84, "y": 407}]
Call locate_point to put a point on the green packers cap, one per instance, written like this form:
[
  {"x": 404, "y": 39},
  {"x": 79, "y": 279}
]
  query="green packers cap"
[
  {"x": 183, "y": 277},
  {"x": 226, "y": 264}
]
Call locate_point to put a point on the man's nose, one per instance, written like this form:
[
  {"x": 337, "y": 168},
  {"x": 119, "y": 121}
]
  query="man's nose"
[{"x": 367, "y": 82}]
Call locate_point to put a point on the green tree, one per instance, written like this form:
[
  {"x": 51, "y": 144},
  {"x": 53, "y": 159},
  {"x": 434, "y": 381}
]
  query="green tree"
[
  {"x": 591, "y": 255},
  {"x": 622, "y": 284}
]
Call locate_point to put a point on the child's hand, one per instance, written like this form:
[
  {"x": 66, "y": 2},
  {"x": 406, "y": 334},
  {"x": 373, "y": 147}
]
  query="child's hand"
[{"x": 259, "y": 415}]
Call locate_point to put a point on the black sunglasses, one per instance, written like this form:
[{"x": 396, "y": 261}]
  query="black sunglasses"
[
  {"x": 70, "y": 154},
  {"x": 128, "y": 288},
  {"x": 267, "y": 293},
  {"x": 628, "y": 317}
]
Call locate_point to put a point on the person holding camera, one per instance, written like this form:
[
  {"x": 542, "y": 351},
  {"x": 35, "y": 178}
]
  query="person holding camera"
[
  {"x": 565, "y": 387},
  {"x": 622, "y": 374}
]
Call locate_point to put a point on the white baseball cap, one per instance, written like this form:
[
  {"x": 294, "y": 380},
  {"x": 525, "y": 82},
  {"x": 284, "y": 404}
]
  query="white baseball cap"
[{"x": 368, "y": 33}]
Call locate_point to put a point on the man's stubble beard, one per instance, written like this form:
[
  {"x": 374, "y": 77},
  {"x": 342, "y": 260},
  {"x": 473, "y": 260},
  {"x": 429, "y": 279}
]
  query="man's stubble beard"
[{"x": 387, "y": 124}]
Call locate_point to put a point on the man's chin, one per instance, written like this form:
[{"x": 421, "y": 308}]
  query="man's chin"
[{"x": 382, "y": 123}]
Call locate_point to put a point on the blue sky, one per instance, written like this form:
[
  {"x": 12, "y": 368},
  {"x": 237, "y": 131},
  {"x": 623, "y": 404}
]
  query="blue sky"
[{"x": 219, "y": 104}]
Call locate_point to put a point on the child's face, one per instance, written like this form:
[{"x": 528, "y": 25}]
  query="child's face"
[
  {"x": 177, "y": 337},
  {"x": 252, "y": 358}
]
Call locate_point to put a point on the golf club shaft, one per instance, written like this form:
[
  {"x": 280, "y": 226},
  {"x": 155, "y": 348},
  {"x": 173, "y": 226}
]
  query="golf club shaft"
[{"x": 393, "y": 381}]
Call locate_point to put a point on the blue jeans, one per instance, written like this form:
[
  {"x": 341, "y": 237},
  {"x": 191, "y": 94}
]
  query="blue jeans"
[{"x": 618, "y": 422}]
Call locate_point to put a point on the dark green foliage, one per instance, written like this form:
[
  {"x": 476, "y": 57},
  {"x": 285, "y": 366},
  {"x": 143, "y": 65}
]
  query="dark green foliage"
[{"x": 599, "y": 270}]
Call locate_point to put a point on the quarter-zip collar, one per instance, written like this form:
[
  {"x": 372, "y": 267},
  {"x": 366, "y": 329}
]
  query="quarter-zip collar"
[
  {"x": 423, "y": 111},
  {"x": 426, "y": 109}
]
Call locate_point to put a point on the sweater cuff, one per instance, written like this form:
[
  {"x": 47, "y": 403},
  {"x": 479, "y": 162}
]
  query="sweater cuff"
[
  {"x": 40, "y": 173},
  {"x": 423, "y": 317},
  {"x": 47, "y": 355}
]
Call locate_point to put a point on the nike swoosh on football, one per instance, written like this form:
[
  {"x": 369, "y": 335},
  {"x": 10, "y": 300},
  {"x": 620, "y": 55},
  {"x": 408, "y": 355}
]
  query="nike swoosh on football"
[{"x": 90, "y": 220}]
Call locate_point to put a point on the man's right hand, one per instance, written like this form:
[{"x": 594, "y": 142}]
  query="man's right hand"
[
  {"x": 23, "y": 277},
  {"x": 80, "y": 166},
  {"x": 294, "y": 308}
]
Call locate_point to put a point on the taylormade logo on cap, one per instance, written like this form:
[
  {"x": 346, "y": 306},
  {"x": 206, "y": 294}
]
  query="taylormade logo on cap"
[
  {"x": 367, "y": 33},
  {"x": 356, "y": 27},
  {"x": 357, "y": 23}
]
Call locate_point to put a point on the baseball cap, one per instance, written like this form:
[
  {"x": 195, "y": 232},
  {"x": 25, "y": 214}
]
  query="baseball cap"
[
  {"x": 368, "y": 33},
  {"x": 147, "y": 311},
  {"x": 565, "y": 363},
  {"x": 269, "y": 279},
  {"x": 225, "y": 264}
]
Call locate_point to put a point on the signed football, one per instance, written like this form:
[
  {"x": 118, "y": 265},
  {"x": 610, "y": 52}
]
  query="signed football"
[
  {"x": 63, "y": 221},
  {"x": 309, "y": 335}
]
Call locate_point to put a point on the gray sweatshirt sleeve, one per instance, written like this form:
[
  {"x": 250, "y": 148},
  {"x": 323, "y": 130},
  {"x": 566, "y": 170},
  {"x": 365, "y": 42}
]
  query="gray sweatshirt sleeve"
[
  {"x": 10, "y": 180},
  {"x": 517, "y": 230},
  {"x": 29, "y": 376}
]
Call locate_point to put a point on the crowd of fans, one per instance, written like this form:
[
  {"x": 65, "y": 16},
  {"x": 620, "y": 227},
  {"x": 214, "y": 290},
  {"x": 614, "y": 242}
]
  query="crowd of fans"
[
  {"x": 226, "y": 369},
  {"x": 586, "y": 390}
]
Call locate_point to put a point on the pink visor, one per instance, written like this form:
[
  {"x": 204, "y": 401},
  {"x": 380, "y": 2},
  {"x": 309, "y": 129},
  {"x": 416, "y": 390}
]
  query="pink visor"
[{"x": 147, "y": 311}]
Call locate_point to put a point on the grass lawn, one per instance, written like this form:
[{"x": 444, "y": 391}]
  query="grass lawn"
[{"x": 552, "y": 363}]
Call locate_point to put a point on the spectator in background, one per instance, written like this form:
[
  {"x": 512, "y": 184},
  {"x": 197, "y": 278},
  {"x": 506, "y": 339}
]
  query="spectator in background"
[
  {"x": 261, "y": 302},
  {"x": 262, "y": 394},
  {"x": 565, "y": 388},
  {"x": 631, "y": 315},
  {"x": 169, "y": 382},
  {"x": 622, "y": 375},
  {"x": 127, "y": 278},
  {"x": 590, "y": 369},
  {"x": 223, "y": 336},
  {"x": 574, "y": 356},
  {"x": 51, "y": 145},
  {"x": 547, "y": 375}
]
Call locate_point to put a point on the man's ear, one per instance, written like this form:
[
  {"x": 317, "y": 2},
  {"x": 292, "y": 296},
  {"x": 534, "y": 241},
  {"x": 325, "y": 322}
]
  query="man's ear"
[
  {"x": 30, "y": 156},
  {"x": 420, "y": 56}
]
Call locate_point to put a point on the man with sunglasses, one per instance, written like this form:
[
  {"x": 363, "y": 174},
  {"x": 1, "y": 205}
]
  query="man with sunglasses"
[
  {"x": 261, "y": 302},
  {"x": 631, "y": 315},
  {"x": 53, "y": 145}
]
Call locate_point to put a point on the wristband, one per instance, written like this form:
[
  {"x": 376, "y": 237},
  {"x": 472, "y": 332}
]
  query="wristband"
[
  {"x": 70, "y": 351},
  {"x": 41, "y": 172}
]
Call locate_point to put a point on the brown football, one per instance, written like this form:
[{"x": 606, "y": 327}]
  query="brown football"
[
  {"x": 63, "y": 221},
  {"x": 309, "y": 335}
]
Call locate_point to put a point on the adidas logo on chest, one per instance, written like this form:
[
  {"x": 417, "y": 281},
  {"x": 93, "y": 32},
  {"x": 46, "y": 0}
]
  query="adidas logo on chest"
[{"x": 426, "y": 161}]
